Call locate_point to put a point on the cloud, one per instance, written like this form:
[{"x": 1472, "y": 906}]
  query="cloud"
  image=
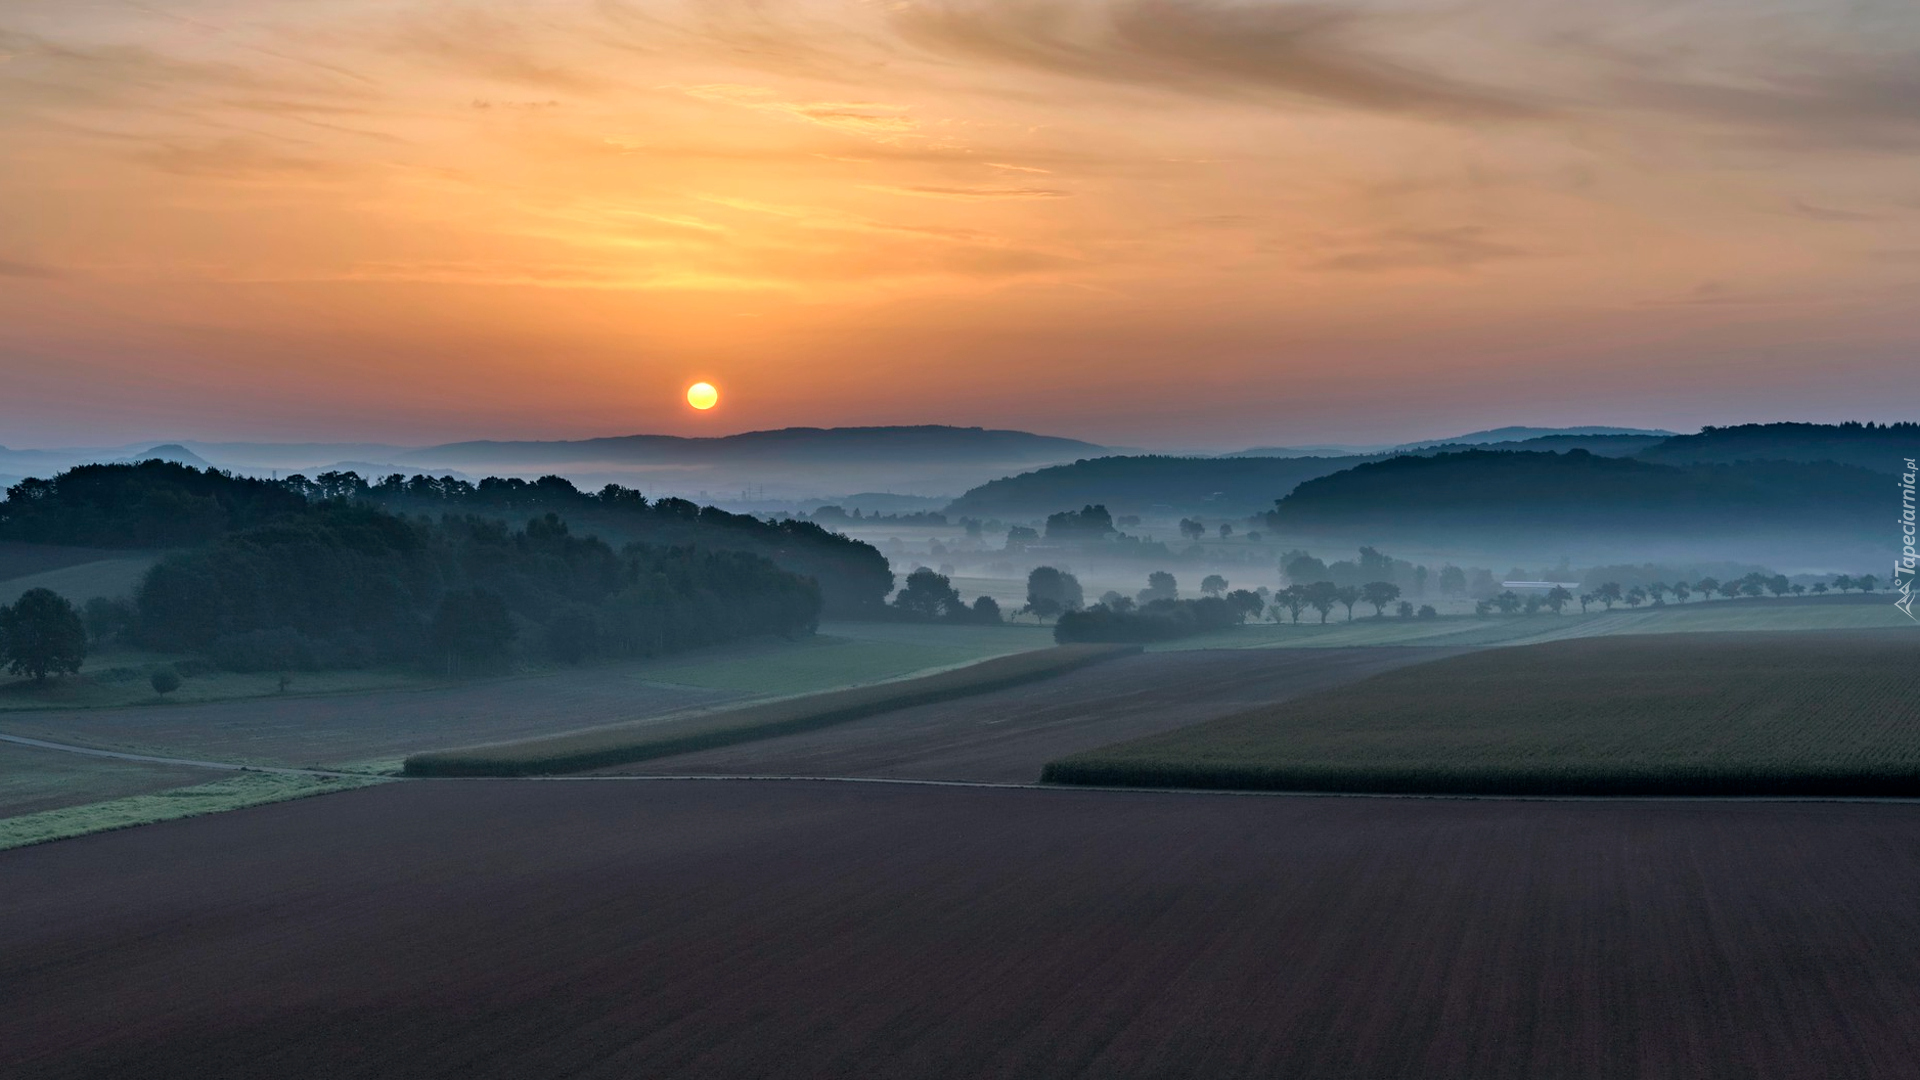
[
  {"x": 872, "y": 120},
  {"x": 1308, "y": 53},
  {"x": 15, "y": 269},
  {"x": 1825, "y": 213},
  {"x": 231, "y": 159},
  {"x": 1462, "y": 247},
  {"x": 937, "y": 191},
  {"x": 478, "y": 45}
]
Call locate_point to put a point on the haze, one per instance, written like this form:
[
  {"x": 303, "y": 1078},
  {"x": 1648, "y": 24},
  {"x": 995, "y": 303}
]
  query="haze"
[{"x": 1133, "y": 222}]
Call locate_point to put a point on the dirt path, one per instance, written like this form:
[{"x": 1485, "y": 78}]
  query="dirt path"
[{"x": 1006, "y": 737}]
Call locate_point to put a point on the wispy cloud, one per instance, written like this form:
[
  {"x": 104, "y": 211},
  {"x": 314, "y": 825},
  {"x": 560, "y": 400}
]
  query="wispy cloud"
[
  {"x": 1461, "y": 247},
  {"x": 873, "y": 120}
]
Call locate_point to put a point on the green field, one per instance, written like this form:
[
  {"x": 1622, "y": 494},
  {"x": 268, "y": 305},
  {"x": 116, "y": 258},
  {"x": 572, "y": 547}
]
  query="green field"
[
  {"x": 844, "y": 654},
  {"x": 228, "y": 793},
  {"x": 625, "y": 744},
  {"x": 1804, "y": 613},
  {"x": 113, "y": 577},
  {"x": 33, "y": 780},
  {"x": 1834, "y": 713}
]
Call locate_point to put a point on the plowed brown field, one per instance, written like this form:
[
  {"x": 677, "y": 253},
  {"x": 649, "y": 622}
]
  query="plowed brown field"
[{"x": 665, "y": 929}]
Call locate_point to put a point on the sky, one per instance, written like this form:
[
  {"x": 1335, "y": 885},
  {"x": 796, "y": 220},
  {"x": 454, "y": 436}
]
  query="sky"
[{"x": 1138, "y": 222}]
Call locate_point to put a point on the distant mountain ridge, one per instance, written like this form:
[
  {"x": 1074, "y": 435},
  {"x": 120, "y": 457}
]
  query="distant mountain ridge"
[{"x": 939, "y": 443}]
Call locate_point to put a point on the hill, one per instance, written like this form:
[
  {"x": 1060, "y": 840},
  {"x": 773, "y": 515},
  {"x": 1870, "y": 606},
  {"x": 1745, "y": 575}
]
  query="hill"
[
  {"x": 1520, "y": 434},
  {"x": 931, "y": 443},
  {"x": 1879, "y": 447},
  {"x": 1483, "y": 492},
  {"x": 1133, "y": 485}
]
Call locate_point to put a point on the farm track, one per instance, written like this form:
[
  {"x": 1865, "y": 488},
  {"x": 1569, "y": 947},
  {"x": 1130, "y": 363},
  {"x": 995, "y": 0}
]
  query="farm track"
[
  {"x": 482, "y": 928},
  {"x": 1007, "y": 736}
]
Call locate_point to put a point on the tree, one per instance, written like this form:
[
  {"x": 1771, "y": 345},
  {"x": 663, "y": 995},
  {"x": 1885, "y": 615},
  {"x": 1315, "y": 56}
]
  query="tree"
[
  {"x": 164, "y": 681},
  {"x": 1779, "y": 586},
  {"x": 44, "y": 635},
  {"x": 1019, "y": 536},
  {"x": 1160, "y": 586},
  {"x": 1508, "y": 602},
  {"x": 1819, "y": 588},
  {"x": 1609, "y": 594},
  {"x": 1379, "y": 594},
  {"x": 1798, "y": 590},
  {"x": 105, "y": 618},
  {"x": 1192, "y": 529},
  {"x": 1706, "y": 587},
  {"x": 1730, "y": 589},
  {"x": 1226, "y": 530},
  {"x": 928, "y": 594},
  {"x": 1866, "y": 583},
  {"x": 1245, "y": 603},
  {"x": 1052, "y": 592},
  {"x": 1752, "y": 586},
  {"x": 1213, "y": 585},
  {"x": 1302, "y": 568},
  {"x": 1585, "y": 599},
  {"x": 472, "y": 627},
  {"x": 1636, "y": 596},
  {"x": 1321, "y": 596},
  {"x": 1405, "y": 610},
  {"x": 1657, "y": 590},
  {"x": 986, "y": 609},
  {"x": 1453, "y": 580},
  {"x": 1349, "y": 596},
  {"x": 1681, "y": 591},
  {"x": 1558, "y": 598},
  {"x": 1089, "y": 523},
  {"x": 1292, "y": 599},
  {"x": 1843, "y": 582}
]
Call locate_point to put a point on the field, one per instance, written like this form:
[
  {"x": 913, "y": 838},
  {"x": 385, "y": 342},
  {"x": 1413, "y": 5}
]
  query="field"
[
  {"x": 697, "y": 929},
  {"x": 1007, "y": 736},
  {"x": 33, "y": 780},
  {"x": 1834, "y": 713},
  {"x": 18, "y": 559},
  {"x": 229, "y": 792},
  {"x": 1851, "y": 612},
  {"x": 625, "y": 744},
  {"x": 79, "y": 581}
]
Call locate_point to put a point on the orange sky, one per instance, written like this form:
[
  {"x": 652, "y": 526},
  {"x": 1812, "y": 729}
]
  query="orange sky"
[{"x": 1145, "y": 222}]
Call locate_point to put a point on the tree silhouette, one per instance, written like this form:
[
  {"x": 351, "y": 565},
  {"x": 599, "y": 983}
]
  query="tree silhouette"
[
  {"x": 1213, "y": 585},
  {"x": 43, "y": 634},
  {"x": 1557, "y": 598},
  {"x": 1866, "y": 582},
  {"x": 1320, "y": 596},
  {"x": 1779, "y": 586},
  {"x": 1819, "y": 588},
  {"x": 1706, "y": 587},
  {"x": 1349, "y": 596},
  {"x": 1843, "y": 582},
  {"x": 1052, "y": 592},
  {"x": 928, "y": 594},
  {"x": 1160, "y": 586},
  {"x": 1292, "y": 599},
  {"x": 1681, "y": 591},
  {"x": 1380, "y": 594},
  {"x": 1609, "y": 594}
]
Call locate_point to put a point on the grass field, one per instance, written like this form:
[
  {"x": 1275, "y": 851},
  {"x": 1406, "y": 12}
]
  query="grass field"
[
  {"x": 691, "y": 930},
  {"x": 110, "y": 577},
  {"x": 217, "y": 796},
  {"x": 1851, "y": 612},
  {"x": 18, "y": 560},
  {"x": 32, "y": 780},
  {"x": 1834, "y": 713},
  {"x": 624, "y": 744}
]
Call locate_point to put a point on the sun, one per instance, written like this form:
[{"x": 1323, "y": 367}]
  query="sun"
[{"x": 702, "y": 396}]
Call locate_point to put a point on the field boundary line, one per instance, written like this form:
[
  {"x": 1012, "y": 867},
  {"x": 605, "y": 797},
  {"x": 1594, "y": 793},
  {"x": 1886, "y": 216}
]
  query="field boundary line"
[{"x": 154, "y": 759}]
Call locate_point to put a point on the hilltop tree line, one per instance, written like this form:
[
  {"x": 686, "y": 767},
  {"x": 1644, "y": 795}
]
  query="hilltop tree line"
[{"x": 160, "y": 504}]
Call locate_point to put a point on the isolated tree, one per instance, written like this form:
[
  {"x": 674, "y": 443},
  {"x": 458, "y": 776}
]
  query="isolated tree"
[
  {"x": 1052, "y": 592},
  {"x": 1558, "y": 598},
  {"x": 928, "y": 594},
  {"x": 1349, "y": 596},
  {"x": 1819, "y": 588},
  {"x": 1213, "y": 585},
  {"x": 164, "y": 681},
  {"x": 1866, "y": 583},
  {"x": 43, "y": 634},
  {"x": 1192, "y": 529},
  {"x": 1379, "y": 594},
  {"x": 1226, "y": 530},
  {"x": 1779, "y": 586},
  {"x": 986, "y": 610},
  {"x": 1681, "y": 591},
  {"x": 1160, "y": 586},
  {"x": 1798, "y": 590},
  {"x": 1427, "y": 611},
  {"x": 1321, "y": 596},
  {"x": 472, "y": 628},
  {"x": 1843, "y": 582},
  {"x": 1706, "y": 587}
]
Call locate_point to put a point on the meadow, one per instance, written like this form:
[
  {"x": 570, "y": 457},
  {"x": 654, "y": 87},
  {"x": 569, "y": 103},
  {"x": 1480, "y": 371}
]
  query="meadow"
[
  {"x": 33, "y": 780},
  {"x": 625, "y": 744},
  {"x": 1815, "y": 714},
  {"x": 87, "y": 572}
]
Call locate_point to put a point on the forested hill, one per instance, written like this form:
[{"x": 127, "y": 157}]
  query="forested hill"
[
  {"x": 1880, "y": 447},
  {"x": 1135, "y": 485},
  {"x": 1487, "y": 492},
  {"x": 158, "y": 504}
]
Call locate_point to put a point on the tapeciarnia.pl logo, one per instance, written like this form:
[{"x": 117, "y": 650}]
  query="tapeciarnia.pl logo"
[{"x": 1903, "y": 567}]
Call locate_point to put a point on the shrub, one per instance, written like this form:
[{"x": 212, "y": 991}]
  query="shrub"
[{"x": 165, "y": 681}]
